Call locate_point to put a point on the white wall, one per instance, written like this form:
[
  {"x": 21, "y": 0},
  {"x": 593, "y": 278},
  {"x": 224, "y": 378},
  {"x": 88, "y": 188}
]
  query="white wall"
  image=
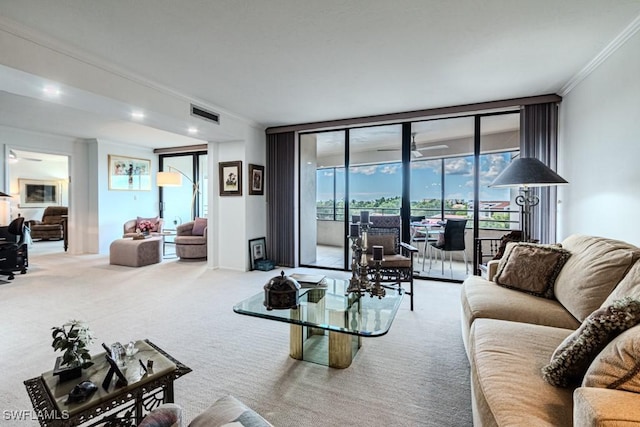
[
  {"x": 599, "y": 150},
  {"x": 115, "y": 207}
]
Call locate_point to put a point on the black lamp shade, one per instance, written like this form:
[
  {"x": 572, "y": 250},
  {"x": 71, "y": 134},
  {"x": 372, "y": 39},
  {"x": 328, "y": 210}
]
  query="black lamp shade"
[{"x": 527, "y": 172}]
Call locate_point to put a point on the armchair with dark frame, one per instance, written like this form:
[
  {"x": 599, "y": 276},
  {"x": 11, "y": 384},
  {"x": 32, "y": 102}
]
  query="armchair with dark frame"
[
  {"x": 13, "y": 249},
  {"x": 51, "y": 225},
  {"x": 397, "y": 266}
]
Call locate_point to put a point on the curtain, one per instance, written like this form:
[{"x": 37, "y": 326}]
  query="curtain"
[
  {"x": 281, "y": 198},
  {"x": 539, "y": 139}
]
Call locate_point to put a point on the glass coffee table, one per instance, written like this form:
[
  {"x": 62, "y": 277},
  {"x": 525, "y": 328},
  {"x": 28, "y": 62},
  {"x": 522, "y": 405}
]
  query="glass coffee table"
[{"x": 327, "y": 327}]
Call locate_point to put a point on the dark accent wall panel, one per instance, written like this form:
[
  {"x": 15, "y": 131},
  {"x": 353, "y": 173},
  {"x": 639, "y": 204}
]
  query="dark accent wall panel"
[
  {"x": 539, "y": 139},
  {"x": 281, "y": 198}
]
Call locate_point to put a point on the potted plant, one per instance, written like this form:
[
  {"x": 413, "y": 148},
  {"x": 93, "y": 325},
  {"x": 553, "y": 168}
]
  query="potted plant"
[
  {"x": 72, "y": 338},
  {"x": 145, "y": 226}
]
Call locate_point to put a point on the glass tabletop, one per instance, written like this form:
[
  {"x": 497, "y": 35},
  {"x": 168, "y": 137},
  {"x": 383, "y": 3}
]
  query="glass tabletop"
[{"x": 327, "y": 307}]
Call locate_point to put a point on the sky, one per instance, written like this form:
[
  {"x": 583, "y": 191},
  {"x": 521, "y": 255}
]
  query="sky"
[{"x": 372, "y": 182}]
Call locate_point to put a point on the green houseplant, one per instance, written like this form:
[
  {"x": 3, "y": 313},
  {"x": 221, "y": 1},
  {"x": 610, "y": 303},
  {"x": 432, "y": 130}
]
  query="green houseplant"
[{"x": 72, "y": 339}]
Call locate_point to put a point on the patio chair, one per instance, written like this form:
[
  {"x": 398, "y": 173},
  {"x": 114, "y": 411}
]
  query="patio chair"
[
  {"x": 397, "y": 266},
  {"x": 452, "y": 240}
]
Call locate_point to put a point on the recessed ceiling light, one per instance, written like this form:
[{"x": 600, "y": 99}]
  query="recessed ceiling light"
[
  {"x": 52, "y": 91},
  {"x": 192, "y": 130},
  {"x": 137, "y": 115}
]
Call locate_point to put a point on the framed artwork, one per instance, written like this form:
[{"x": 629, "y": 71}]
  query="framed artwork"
[
  {"x": 129, "y": 173},
  {"x": 257, "y": 250},
  {"x": 230, "y": 178},
  {"x": 35, "y": 193},
  {"x": 256, "y": 180}
]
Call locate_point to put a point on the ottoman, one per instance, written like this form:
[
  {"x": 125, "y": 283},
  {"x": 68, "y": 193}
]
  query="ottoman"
[{"x": 136, "y": 253}]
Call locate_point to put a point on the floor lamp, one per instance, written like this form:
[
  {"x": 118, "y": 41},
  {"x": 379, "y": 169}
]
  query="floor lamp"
[
  {"x": 174, "y": 179},
  {"x": 527, "y": 172}
]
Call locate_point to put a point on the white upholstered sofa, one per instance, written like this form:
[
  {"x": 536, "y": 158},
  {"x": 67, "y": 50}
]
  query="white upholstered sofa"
[{"x": 511, "y": 335}]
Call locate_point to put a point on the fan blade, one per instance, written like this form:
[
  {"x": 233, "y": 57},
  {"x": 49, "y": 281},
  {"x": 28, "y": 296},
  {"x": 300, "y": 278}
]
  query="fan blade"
[
  {"x": 433, "y": 147},
  {"x": 388, "y": 149},
  {"x": 416, "y": 153}
]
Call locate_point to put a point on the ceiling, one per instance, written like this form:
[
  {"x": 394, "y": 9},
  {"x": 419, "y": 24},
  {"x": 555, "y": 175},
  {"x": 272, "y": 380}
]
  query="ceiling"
[{"x": 284, "y": 62}]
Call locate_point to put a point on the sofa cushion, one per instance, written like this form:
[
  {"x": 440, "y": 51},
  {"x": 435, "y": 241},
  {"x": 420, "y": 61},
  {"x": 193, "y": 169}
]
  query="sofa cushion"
[
  {"x": 229, "y": 411},
  {"x": 629, "y": 286},
  {"x": 572, "y": 358},
  {"x": 506, "y": 358},
  {"x": 531, "y": 268},
  {"x": 485, "y": 299},
  {"x": 595, "y": 267},
  {"x": 618, "y": 365}
]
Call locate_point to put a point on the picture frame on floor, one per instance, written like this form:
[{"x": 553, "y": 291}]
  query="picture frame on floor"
[{"x": 257, "y": 251}]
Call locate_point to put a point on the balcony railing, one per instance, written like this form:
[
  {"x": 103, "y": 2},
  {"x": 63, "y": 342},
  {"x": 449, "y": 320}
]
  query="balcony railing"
[{"x": 487, "y": 221}]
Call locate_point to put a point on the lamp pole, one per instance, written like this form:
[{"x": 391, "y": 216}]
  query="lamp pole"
[{"x": 526, "y": 200}]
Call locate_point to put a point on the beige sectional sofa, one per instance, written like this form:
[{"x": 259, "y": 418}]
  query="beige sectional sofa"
[{"x": 511, "y": 335}]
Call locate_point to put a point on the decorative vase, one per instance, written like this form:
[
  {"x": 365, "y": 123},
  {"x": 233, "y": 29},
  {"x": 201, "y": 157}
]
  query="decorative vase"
[
  {"x": 66, "y": 373},
  {"x": 145, "y": 233}
]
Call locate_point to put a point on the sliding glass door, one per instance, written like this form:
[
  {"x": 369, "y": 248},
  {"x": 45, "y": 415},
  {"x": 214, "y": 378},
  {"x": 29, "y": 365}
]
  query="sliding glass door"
[
  {"x": 180, "y": 204},
  {"x": 444, "y": 177}
]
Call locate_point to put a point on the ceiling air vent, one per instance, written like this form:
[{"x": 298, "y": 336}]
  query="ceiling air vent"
[{"x": 205, "y": 114}]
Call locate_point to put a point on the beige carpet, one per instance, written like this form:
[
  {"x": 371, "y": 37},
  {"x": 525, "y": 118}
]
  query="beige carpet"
[{"x": 416, "y": 375}]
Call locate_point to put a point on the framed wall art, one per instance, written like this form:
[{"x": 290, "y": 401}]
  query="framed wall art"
[
  {"x": 257, "y": 250},
  {"x": 129, "y": 173},
  {"x": 230, "y": 178},
  {"x": 256, "y": 180},
  {"x": 35, "y": 193}
]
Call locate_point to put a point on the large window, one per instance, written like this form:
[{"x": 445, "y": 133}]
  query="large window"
[{"x": 434, "y": 169}]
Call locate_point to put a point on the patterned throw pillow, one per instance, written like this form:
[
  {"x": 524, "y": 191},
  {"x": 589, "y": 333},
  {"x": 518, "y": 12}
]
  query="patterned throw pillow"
[
  {"x": 531, "y": 268},
  {"x": 575, "y": 354},
  {"x": 387, "y": 241}
]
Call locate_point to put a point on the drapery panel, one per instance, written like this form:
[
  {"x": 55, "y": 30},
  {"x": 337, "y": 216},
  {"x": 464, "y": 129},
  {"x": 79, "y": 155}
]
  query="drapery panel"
[
  {"x": 539, "y": 139},
  {"x": 281, "y": 198}
]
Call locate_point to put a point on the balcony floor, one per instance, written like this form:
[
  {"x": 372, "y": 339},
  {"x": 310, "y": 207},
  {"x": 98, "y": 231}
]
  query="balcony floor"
[{"x": 332, "y": 257}]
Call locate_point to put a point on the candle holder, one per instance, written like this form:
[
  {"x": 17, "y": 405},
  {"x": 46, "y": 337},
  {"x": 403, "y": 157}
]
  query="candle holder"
[{"x": 359, "y": 282}]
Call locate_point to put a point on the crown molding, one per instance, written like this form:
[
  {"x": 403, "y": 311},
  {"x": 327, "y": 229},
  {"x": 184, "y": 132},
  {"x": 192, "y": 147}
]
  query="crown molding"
[
  {"x": 29, "y": 34},
  {"x": 605, "y": 53}
]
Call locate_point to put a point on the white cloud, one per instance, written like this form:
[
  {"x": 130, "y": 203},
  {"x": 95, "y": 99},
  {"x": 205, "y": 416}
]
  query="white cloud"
[
  {"x": 390, "y": 170},
  {"x": 459, "y": 166},
  {"x": 364, "y": 170}
]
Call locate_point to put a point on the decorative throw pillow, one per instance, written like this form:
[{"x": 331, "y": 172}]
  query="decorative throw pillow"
[
  {"x": 531, "y": 267},
  {"x": 513, "y": 236},
  {"x": 229, "y": 411},
  {"x": 199, "y": 224},
  {"x": 387, "y": 241},
  {"x": 572, "y": 358},
  {"x": 617, "y": 366},
  {"x": 154, "y": 223},
  {"x": 166, "y": 415}
]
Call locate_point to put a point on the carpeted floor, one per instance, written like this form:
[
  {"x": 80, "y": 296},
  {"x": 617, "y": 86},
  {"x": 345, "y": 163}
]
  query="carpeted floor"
[{"x": 416, "y": 375}]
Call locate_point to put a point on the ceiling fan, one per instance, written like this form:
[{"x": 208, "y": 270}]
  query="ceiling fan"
[
  {"x": 13, "y": 156},
  {"x": 415, "y": 151}
]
